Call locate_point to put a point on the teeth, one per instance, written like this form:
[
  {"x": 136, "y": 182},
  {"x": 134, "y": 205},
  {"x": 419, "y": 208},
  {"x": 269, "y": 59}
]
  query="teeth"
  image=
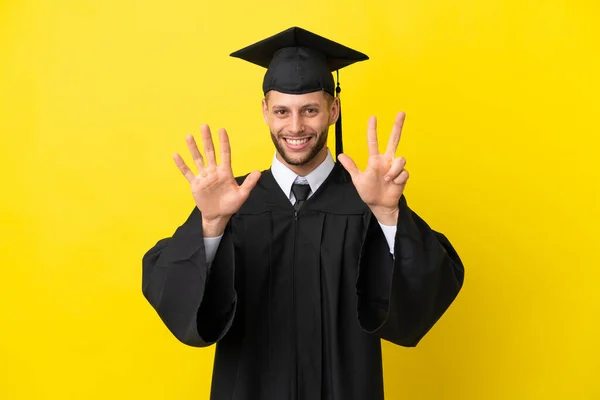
[{"x": 297, "y": 142}]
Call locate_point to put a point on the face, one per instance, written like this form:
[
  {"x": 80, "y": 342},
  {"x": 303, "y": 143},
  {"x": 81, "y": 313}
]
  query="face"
[{"x": 299, "y": 124}]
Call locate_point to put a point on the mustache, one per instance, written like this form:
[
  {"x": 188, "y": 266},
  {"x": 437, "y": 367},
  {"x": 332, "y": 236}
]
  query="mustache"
[{"x": 282, "y": 135}]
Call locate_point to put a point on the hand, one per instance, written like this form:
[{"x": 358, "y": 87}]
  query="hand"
[
  {"x": 382, "y": 183},
  {"x": 216, "y": 192}
]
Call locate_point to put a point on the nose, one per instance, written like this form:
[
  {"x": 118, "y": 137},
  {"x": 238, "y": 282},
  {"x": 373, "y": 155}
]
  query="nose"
[{"x": 297, "y": 124}]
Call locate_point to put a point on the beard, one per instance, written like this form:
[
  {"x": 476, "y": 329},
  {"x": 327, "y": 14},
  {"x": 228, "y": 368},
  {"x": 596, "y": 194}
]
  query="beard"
[{"x": 321, "y": 141}]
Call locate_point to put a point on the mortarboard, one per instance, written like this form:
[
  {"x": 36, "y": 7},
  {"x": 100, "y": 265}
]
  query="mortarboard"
[{"x": 298, "y": 62}]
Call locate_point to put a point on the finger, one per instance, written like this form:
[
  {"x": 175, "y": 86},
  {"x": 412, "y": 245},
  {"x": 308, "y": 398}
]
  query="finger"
[
  {"x": 397, "y": 166},
  {"x": 198, "y": 160},
  {"x": 402, "y": 178},
  {"x": 372, "y": 137},
  {"x": 250, "y": 182},
  {"x": 189, "y": 175},
  {"x": 209, "y": 148},
  {"x": 349, "y": 164},
  {"x": 225, "y": 148},
  {"x": 396, "y": 134}
]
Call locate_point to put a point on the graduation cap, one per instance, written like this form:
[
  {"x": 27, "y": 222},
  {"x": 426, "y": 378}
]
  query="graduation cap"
[{"x": 298, "y": 62}]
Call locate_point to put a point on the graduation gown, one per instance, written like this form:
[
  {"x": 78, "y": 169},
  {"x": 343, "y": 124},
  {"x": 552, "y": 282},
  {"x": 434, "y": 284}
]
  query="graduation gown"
[{"x": 297, "y": 302}]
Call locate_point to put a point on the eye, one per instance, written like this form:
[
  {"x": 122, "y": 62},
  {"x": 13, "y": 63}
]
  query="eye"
[
  {"x": 280, "y": 112},
  {"x": 311, "y": 110}
]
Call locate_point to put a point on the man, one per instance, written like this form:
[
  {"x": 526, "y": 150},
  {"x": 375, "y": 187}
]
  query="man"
[{"x": 298, "y": 272}]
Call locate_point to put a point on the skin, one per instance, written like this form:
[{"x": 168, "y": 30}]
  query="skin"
[
  {"x": 300, "y": 116},
  {"x": 218, "y": 195}
]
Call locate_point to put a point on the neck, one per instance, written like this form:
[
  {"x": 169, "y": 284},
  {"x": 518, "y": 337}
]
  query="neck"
[{"x": 307, "y": 168}]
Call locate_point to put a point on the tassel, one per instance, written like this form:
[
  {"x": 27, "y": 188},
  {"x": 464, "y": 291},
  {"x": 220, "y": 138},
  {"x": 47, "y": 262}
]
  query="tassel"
[{"x": 339, "y": 148}]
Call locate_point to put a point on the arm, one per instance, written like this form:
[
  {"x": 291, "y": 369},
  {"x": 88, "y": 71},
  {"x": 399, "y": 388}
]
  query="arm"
[
  {"x": 195, "y": 304},
  {"x": 400, "y": 298},
  {"x": 194, "y": 299}
]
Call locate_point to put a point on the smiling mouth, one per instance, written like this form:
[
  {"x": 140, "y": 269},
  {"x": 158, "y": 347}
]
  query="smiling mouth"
[{"x": 297, "y": 142}]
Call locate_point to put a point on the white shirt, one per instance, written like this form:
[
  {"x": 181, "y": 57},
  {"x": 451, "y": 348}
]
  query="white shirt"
[{"x": 285, "y": 178}]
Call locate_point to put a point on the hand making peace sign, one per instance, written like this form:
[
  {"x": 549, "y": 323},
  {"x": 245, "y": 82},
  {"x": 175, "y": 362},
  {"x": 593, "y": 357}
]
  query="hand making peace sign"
[{"x": 383, "y": 181}]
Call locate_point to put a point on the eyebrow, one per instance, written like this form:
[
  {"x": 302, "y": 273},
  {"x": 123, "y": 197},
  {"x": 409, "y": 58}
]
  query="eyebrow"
[{"x": 310, "y": 105}]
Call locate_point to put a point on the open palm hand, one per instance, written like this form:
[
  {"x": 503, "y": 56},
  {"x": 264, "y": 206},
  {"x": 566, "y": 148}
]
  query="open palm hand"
[{"x": 215, "y": 190}]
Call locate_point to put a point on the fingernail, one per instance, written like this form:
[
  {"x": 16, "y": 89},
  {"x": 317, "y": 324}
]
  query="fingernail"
[{"x": 387, "y": 178}]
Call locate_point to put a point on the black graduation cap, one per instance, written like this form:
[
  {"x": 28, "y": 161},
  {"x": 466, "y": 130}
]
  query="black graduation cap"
[{"x": 298, "y": 62}]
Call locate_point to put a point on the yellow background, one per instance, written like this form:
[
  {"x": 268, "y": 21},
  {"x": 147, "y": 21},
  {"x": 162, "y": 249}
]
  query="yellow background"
[{"x": 501, "y": 137}]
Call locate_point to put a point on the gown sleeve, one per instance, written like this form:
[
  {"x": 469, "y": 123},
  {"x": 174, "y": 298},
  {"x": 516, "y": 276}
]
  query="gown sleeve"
[
  {"x": 401, "y": 297},
  {"x": 195, "y": 299}
]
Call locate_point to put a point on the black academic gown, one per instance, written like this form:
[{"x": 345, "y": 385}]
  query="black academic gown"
[{"x": 297, "y": 302}]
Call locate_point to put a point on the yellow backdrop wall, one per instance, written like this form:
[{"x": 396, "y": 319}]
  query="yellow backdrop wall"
[{"x": 501, "y": 139}]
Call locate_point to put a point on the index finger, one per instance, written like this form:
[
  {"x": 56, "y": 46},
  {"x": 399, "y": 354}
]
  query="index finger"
[
  {"x": 396, "y": 134},
  {"x": 372, "y": 144}
]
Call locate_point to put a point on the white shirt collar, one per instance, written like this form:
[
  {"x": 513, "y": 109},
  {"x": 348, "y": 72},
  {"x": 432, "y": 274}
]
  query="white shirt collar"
[{"x": 285, "y": 177}]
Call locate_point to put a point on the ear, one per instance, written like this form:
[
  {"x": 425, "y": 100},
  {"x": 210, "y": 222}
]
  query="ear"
[
  {"x": 334, "y": 111},
  {"x": 265, "y": 110}
]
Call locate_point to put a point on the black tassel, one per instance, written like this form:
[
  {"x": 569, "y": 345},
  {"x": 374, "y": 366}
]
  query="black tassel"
[{"x": 339, "y": 147}]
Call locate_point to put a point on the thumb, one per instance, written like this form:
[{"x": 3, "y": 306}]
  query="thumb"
[
  {"x": 349, "y": 164},
  {"x": 250, "y": 182}
]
